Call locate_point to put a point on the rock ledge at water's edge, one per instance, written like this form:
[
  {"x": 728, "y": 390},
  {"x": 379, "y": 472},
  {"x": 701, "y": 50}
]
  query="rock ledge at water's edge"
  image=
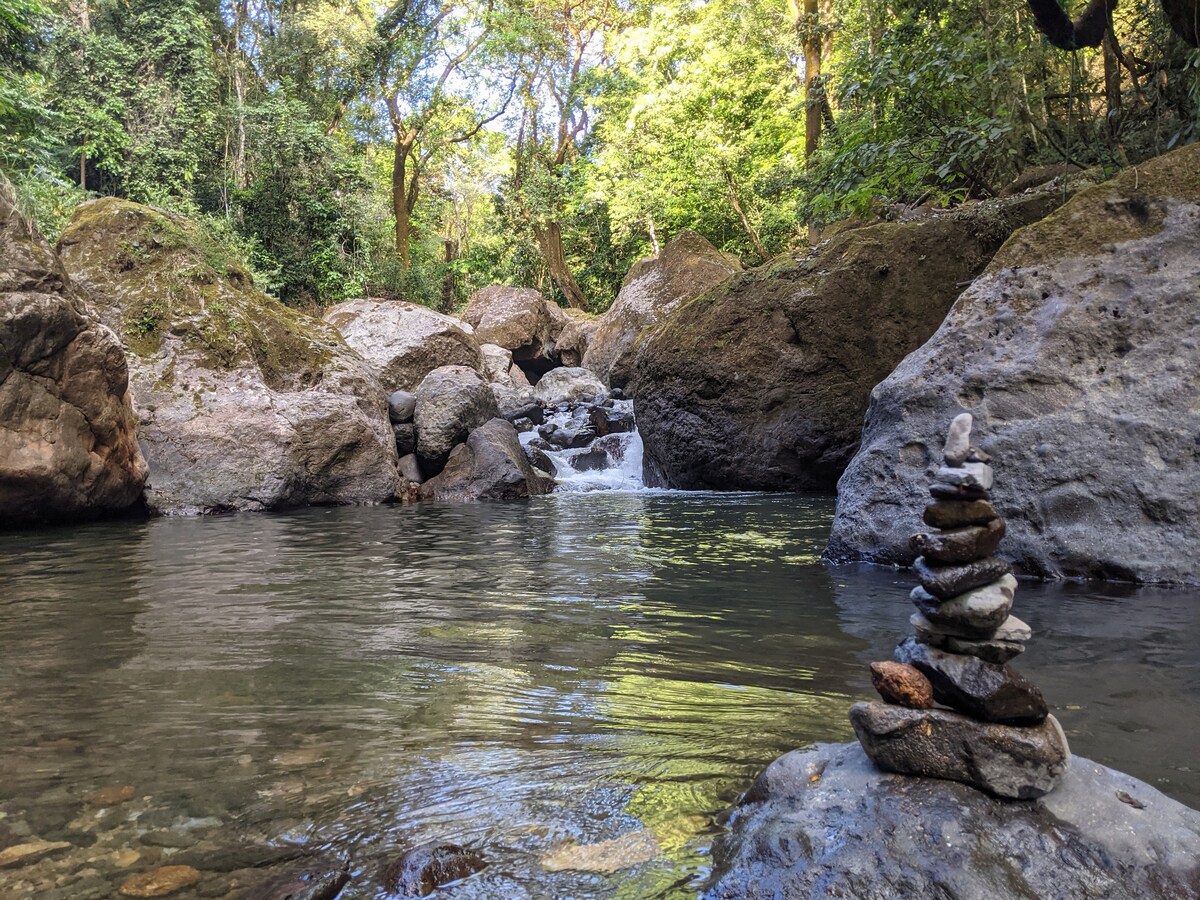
[{"x": 826, "y": 823}]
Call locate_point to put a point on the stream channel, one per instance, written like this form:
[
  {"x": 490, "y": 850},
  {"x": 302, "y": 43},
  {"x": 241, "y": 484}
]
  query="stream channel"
[{"x": 588, "y": 668}]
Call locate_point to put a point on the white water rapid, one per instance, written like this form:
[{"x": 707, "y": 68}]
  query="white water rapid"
[{"x": 585, "y": 459}]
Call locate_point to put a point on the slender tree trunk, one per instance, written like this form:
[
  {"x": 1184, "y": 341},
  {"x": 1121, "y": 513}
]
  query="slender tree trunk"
[
  {"x": 83, "y": 165},
  {"x": 549, "y": 238},
  {"x": 812, "y": 76},
  {"x": 450, "y": 279},
  {"x": 653, "y": 233},
  {"x": 403, "y": 200},
  {"x": 1112, "y": 82}
]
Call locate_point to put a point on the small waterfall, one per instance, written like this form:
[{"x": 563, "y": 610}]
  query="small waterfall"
[{"x": 589, "y": 446}]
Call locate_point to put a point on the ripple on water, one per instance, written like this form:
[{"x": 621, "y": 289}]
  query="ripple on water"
[{"x": 575, "y": 686}]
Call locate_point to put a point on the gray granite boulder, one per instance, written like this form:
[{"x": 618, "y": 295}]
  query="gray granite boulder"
[
  {"x": 242, "y": 403},
  {"x": 451, "y": 402},
  {"x": 827, "y": 823},
  {"x": 68, "y": 447},
  {"x": 491, "y": 465},
  {"x": 1078, "y": 354}
]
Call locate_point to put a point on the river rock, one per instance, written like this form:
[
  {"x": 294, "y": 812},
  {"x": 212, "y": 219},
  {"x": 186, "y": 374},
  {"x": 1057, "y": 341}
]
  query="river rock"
[
  {"x": 491, "y": 465},
  {"x": 958, "y": 513},
  {"x": 576, "y": 337},
  {"x": 1021, "y": 763},
  {"x": 968, "y": 475},
  {"x": 610, "y": 420},
  {"x": 565, "y": 385},
  {"x": 159, "y": 882},
  {"x": 654, "y": 287},
  {"x": 410, "y": 468},
  {"x": 404, "y": 342},
  {"x": 1078, "y": 353},
  {"x": 958, "y": 440},
  {"x": 517, "y": 403},
  {"x": 945, "y": 582},
  {"x": 420, "y": 872},
  {"x": 312, "y": 881},
  {"x": 1012, "y": 629},
  {"x": 406, "y": 438},
  {"x": 29, "y": 852},
  {"x": 761, "y": 382},
  {"x": 991, "y": 650},
  {"x": 520, "y": 320},
  {"x": 982, "y": 690},
  {"x": 958, "y": 492},
  {"x": 826, "y": 822},
  {"x": 401, "y": 406},
  {"x": 960, "y": 545},
  {"x": 496, "y": 364},
  {"x": 902, "y": 684},
  {"x": 242, "y": 403},
  {"x": 451, "y": 401},
  {"x": 974, "y": 614},
  {"x": 68, "y": 447}
]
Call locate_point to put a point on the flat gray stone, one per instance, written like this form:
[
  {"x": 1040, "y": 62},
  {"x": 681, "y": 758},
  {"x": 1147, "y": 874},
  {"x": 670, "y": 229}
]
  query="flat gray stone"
[
  {"x": 826, "y": 822},
  {"x": 1013, "y": 629},
  {"x": 960, "y": 545},
  {"x": 970, "y": 475},
  {"x": 982, "y": 690},
  {"x": 975, "y": 614},
  {"x": 945, "y": 582},
  {"x": 1020, "y": 763},
  {"x": 998, "y": 652}
]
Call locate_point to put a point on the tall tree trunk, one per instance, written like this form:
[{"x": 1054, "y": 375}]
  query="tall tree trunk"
[
  {"x": 549, "y": 238},
  {"x": 450, "y": 279},
  {"x": 404, "y": 196},
  {"x": 1112, "y": 82},
  {"x": 812, "y": 76}
]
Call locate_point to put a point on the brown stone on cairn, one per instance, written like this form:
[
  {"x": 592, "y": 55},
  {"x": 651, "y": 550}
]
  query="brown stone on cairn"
[
  {"x": 960, "y": 545},
  {"x": 902, "y": 685},
  {"x": 959, "y": 513}
]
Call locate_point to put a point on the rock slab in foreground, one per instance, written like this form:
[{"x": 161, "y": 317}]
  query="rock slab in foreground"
[
  {"x": 827, "y": 823},
  {"x": 67, "y": 442},
  {"x": 1078, "y": 352},
  {"x": 1019, "y": 763}
]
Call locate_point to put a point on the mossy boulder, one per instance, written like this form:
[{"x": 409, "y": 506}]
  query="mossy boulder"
[
  {"x": 686, "y": 267},
  {"x": 67, "y": 444},
  {"x": 761, "y": 383},
  {"x": 1078, "y": 354},
  {"x": 242, "y": 402}
]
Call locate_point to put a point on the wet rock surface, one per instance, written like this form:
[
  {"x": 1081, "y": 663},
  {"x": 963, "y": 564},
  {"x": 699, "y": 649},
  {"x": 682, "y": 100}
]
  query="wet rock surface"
[
  {"x": 902, "y": 684},
  {"x": 761, "y": 382},
  {"x": 1078, "y": 352},
  {"x": 419, "y": 872},
  {"x": 827, "y": 822},
  {"x": 67, "y": 430}
]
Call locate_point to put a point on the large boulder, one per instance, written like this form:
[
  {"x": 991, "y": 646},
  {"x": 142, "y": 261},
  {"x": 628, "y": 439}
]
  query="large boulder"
[
  {"x": 566, "y": 385},
  {"x": 404, "y": 342},
  {"x": 451, "y": 402},
  {"x": 241, "y": 402},
  {"x": 491, "y": 465},
  {"x": 67, "y": 442},
  {"x": 827, "y": 823},
  {"x": 575, "y": 338},
  {"x": 687, "y": 267},
  {"x": 520, "y": 320},
  {"x": 761, "y": 383},
  {"x": 1078, "y": 354}
]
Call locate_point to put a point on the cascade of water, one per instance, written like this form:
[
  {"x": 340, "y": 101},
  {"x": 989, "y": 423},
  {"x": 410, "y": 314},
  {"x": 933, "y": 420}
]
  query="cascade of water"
[{"x": 590, "y": 446}]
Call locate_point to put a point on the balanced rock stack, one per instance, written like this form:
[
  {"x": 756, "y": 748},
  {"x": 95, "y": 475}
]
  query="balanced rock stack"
[{"x": 997, "y": 734}]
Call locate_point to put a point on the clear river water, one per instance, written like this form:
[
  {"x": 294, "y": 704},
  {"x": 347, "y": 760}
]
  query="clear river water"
[{"x": 576, "y": 686}]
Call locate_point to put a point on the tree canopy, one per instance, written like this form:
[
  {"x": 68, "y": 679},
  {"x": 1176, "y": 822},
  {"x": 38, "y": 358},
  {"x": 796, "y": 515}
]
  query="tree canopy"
[{"x": 420, "y": 149}]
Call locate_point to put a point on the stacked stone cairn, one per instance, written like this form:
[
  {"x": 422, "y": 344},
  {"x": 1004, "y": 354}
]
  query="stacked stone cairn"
[{"x": 996, "y": 734}]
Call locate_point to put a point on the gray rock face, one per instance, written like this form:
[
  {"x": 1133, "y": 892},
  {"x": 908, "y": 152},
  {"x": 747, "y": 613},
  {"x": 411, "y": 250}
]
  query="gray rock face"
[
  {"x": 404, "y": 342},
  {"x": 1019, "y": 763},
  {"x": 1078, "y": 353},
  {"x": 565, "y": 385},
  {"x": 761, "y": 382},
  {"x": 401, "y": 406},
  {"x": 491, "y": 465},
  {"x": 948, "y": 581},
  {"x": 520, "y": 320},
  {"x": 451, "y": 401},
  {"x": 517, "y": 403},
  {"x": 982, "y": 690},
  {"x": 67, "y": 441},
  {"x": 576, "y": 337},
  {"x": 687, "y": 267},
  {"x": 242, "y": 403},
  {"x": 827, "y": 823}
]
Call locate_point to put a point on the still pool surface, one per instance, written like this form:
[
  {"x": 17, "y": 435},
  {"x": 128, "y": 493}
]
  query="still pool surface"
[{"x": 520, "y": 678}]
